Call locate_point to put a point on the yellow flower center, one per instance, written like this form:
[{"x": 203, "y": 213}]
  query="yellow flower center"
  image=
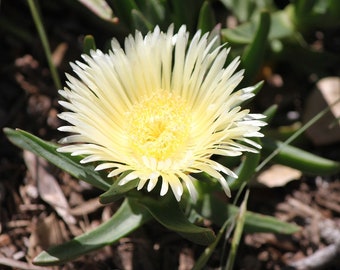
[{"x": 158, "y": 126}]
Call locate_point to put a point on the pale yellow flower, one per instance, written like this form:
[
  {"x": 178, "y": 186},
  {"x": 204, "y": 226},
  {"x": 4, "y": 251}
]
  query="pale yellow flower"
[{"x": 158, "y": 110}]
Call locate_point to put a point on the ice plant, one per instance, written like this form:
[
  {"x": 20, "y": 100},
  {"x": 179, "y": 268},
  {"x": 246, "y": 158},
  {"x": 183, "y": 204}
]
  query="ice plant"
[{"x": 158, "y": 110}]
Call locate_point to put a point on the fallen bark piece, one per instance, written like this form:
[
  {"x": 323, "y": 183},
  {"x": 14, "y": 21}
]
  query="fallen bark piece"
[
  {"x": 320, "y": 259},
  {"x": 327, "y": 129},
  {"x": 15, "y": 264}
]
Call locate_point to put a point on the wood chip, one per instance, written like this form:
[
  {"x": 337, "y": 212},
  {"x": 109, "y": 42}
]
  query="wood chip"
[
  {"x": 15, "y": 264},
  {"x": 186, "y": 259},
  {"x": 86, "y": 207},
  {"x": 319, "y": 259}
]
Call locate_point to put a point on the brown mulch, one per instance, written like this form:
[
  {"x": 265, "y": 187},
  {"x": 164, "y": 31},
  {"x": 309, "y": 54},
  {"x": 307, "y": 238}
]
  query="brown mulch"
[{"x": 31, "y": 221}]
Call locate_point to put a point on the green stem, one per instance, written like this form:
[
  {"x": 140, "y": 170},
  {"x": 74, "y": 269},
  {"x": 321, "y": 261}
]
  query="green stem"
[
  {"x": 237, "y": 233},
  {"x": 43, "y": 37},
  {"x": 295, "y": 135}
]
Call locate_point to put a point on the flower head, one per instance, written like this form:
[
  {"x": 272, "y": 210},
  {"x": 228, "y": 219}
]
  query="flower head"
[{"x": 158, "y": 110}]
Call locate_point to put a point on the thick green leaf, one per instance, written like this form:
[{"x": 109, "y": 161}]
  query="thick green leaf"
[
  {"x": 242, "y": 34},
  {"x": 129, "y": 217},
  {"x": 206, "y": 18},
  {"x": 89, "y": 44},
  {"x": 304, "y": 7},
  {"x": 246, "y": 170},
  {"x": 185, "y": 12},
  {"x": 244, "y": 10},
  {"x": 270, "y": 113},
  {"x": 334, "y": 8},
  {"x": 123, "y": 9},
  {"x": 281, "y": 27},
  {"x": 219, "y": 211},
  {"x": 299, "y": 159},
  {"x": 99, "y": 7},
  {"x": 117, "y": 191},
  {"x": 241, "y": 9},
  {"x": 63, "y": 161},
  {"x": 320, "y": 14},
  {"x": 153, "y": 10},
  {"x": 140, "y": 22},
  {"x": 253, "y": 55},
  {"x": 167, "y": 212}
]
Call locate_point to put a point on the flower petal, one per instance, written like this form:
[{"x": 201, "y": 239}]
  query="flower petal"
[{"x": 159, "y": 109}]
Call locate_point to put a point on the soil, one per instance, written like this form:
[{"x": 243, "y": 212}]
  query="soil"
[{"x": 29, "y": 224}]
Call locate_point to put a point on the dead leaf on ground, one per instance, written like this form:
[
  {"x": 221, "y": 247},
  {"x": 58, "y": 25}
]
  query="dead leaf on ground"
[
  {"x": 278, "y": 175},
  {"x": 86, "y": 208},
  {"x": 48, "y": 187},
  {"x": 327, "y": 129},
  {"x": 46, "y": 232}
]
